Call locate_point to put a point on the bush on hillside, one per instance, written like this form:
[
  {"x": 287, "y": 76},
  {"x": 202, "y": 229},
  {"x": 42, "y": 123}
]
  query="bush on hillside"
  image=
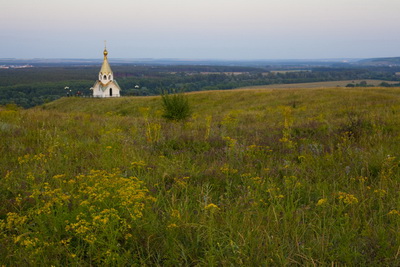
[{"x": 176, "y": 106}]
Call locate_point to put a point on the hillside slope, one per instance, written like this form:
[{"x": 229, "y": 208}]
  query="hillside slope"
[
  {"x": 224, "y": 101},
  {"x": 254, "y": 178}
]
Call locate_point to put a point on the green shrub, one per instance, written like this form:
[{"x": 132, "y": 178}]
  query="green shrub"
[{"x": 176, "y": 106}]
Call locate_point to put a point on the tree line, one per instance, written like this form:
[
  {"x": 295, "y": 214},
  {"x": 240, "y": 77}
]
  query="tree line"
[{"x": 35, "y": 86}]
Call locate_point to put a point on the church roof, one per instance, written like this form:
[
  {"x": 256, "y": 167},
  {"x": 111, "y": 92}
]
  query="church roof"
[
  {"x": 103, "y": 87},
  {"x": 105, "y": 68}
]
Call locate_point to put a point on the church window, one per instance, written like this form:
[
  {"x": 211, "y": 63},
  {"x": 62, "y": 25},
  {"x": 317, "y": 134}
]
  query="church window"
[
  {"x": 105, "y": 77},
  {"x": 110, "y": 91},
  {"x": 109, "y": 77}
]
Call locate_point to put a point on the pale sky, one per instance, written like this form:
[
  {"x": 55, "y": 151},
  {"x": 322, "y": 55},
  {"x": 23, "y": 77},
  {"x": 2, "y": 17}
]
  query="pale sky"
[{"x": 206, "y": 29}]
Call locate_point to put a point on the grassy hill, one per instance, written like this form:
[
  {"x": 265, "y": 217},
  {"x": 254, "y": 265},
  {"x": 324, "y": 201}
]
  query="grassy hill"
[
  {"x": 254, "y": 177},
  {"x": 217, "y": 102}
]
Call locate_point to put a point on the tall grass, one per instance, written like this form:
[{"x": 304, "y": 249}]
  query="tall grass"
[{"x": 250, "y": 179}]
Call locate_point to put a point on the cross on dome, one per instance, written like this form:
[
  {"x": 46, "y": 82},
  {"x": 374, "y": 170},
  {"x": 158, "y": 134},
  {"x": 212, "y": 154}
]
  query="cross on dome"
[
  {"x": 105, "y": 49},
  {"x": 105, "y": 68}
]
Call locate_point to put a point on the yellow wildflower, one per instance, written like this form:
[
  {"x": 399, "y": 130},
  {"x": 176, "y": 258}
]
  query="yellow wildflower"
[
  {"x": 257, "y": 180},
  {"x": 14, "y": 220},
  {"x": 172, "y": 225},
  {"x": 128, "y": 235},
  {"x": 138, "y": 164},
  {"x": 322, "y": 202},
  {"x": 211, "y": 206},
  {"x": 175, "y": 214},
  {"x": 227, "y": 170},
  {"x": 394, "y": 212},
  {"x": 230, "y": 141},
  {"x": 65, "y": 242},
  {"x": 380, "y": 192},
  {"x": 58, "y": 176},
  {"x": 245, "y": 175},
  {"x": 181, "y": 181},
  {"x": 347, "y": 198},
  {"x": 362, "y": 179}
]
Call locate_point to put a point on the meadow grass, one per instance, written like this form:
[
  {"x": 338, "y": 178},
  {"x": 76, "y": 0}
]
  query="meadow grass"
[{"x": 253, "y": 178}]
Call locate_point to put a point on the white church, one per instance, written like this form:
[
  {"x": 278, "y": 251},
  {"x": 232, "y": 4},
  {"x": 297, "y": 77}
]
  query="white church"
[{"x": 106, "y": 86}]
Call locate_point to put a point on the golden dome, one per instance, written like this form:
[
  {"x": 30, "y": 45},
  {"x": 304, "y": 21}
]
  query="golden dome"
[{"x": 105, "y": 68}]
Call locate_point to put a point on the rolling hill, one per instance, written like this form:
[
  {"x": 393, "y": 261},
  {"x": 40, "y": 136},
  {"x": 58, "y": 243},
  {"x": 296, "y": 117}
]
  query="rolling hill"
[{"x": 252, "y": 178}]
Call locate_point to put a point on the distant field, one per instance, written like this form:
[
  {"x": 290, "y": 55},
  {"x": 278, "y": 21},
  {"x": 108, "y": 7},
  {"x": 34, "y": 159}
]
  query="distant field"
[
  {"x": 318, "y": 84},
  {"x": 288, "y": 71}
]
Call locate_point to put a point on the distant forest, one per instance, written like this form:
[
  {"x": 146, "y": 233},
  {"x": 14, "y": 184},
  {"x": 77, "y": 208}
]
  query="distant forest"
[{"x": 34, "y": 86}]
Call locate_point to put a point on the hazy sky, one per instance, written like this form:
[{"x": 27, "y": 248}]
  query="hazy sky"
[{"x": 206, "y": 29}]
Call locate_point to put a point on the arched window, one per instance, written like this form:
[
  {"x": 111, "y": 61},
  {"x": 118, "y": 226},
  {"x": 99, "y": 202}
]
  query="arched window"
[
  {"x": 110, "y": 91},
  {"x": 105, "y": 77},
  {"x": 109, "y": 77}
]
